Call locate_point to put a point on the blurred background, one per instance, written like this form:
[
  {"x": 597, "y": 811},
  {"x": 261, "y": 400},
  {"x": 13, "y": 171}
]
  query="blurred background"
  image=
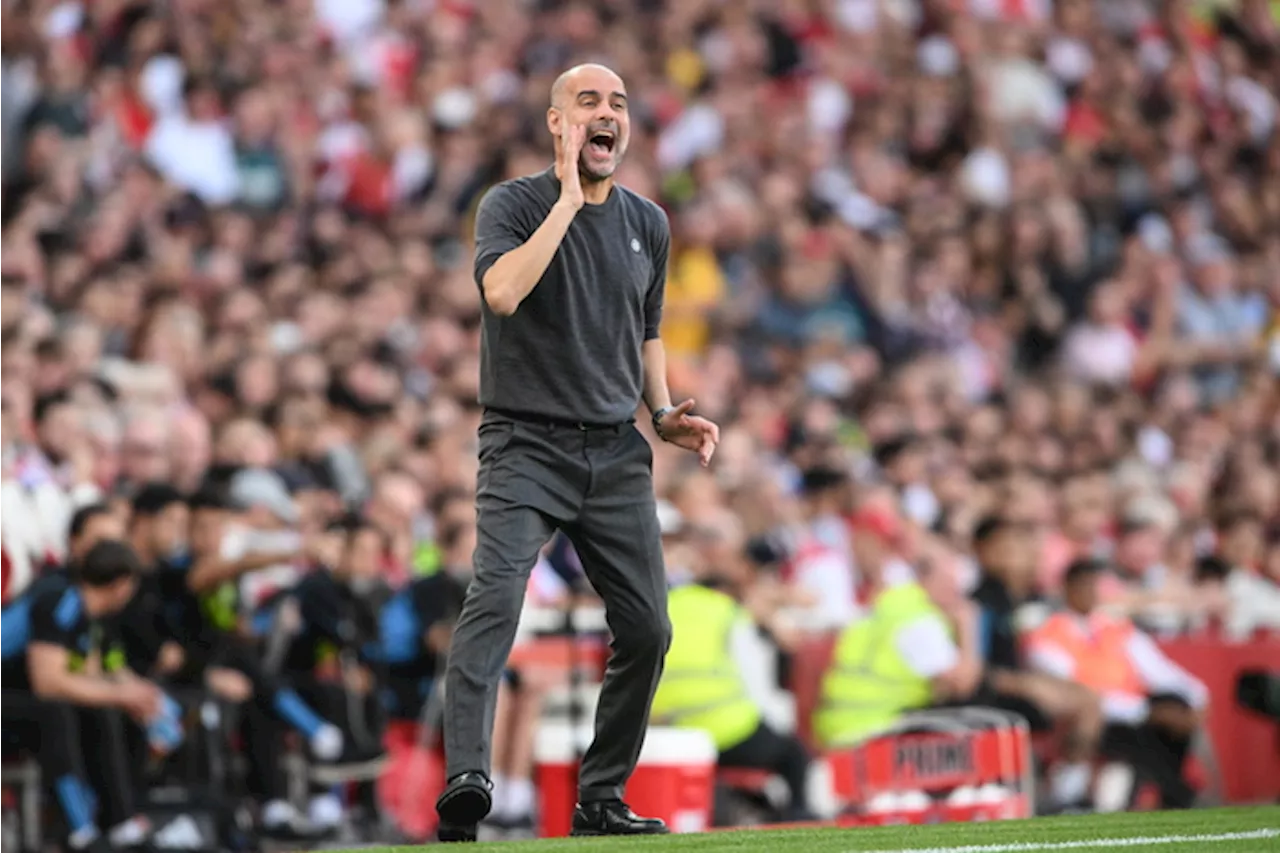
[{"x": 946, "y": 272}]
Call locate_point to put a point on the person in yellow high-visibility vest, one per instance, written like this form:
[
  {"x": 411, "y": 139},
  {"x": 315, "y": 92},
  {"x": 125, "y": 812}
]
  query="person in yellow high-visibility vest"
[
  {"x": 703, "y": 687},
  {"x": 903, "y": 656}
]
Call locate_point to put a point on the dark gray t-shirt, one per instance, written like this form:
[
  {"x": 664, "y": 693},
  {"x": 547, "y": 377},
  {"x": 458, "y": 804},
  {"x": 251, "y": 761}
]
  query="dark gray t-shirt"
[{"x": 571, "y": 351}]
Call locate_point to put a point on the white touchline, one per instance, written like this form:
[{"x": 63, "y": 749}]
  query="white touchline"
[{"x": 1100, "y": 843}]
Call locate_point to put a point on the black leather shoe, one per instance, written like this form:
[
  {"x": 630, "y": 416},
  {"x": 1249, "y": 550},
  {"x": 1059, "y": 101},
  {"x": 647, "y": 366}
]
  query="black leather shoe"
[
  {"x": 448, "y": 833},
  {"x": 465, "y": 802},
  {"x": 613, "y": 817}
]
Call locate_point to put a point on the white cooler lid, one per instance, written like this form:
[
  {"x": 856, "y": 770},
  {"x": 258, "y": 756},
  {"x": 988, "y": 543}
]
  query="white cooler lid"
[{"x": 554, "y": 744}]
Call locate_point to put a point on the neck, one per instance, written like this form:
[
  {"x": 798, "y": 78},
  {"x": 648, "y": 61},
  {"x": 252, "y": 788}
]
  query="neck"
[{"x": 596, "y": 192}]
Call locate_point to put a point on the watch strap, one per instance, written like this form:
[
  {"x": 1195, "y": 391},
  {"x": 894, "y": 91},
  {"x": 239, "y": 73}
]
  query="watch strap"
[{"x": 658, "y": 416}]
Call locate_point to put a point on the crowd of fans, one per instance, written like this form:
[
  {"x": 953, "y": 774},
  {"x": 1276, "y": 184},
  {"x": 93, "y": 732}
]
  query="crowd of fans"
[{"x": 934, "y": 263}]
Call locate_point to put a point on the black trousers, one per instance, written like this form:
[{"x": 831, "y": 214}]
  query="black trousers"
[
  {"x": 93, "y": 759},
  {"x": 782, "y": 754},
  {"x": 260, "y": 728},
  {"x": 597, "y": 486}
]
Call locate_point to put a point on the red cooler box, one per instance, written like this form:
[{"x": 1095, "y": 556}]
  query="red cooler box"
[{"x": 674, "y": 780}]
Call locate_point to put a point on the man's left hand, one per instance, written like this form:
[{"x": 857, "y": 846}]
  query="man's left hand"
[{"x": 690, "y": 431}]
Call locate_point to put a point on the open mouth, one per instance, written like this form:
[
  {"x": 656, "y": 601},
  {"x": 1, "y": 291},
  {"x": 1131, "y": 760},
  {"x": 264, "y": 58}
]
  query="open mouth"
[{"x": 602, "y": 142}]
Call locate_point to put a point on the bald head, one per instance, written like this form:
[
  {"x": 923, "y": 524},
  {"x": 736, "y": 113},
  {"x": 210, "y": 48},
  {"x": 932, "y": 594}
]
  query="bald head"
[{"x": 568, "y": 84}]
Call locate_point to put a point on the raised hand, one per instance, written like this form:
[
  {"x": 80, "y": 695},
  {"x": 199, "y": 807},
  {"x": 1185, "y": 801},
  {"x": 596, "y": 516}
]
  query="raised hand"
[{"x": 572, "y": 138}]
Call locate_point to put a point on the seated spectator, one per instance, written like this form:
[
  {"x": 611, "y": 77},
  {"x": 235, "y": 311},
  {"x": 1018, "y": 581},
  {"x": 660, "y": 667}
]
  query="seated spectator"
[
  {"x": 150, "y": 625},
  {"x": 1007, "y": 553},
  {"x": 218, "y": 656},
  {"x": 703, "y": 687},
  {"x": 328, "y": 629},
  {"x": 416, "y": 625},
  {"x": 61, "y": 693},
  {"x": 907, "y": 653},
  {"x": 1152, "y": 706}
]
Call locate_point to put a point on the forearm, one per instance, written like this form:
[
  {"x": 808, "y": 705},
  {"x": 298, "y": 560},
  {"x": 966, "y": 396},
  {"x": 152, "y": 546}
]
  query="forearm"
[
  {"x": 1207, "y": 354},
  {"x": 76, "y": 689},
  {"x": 514, "y": 275},
  {"x": 653, "y": 355},
  {"x": 210, "y": 573}
]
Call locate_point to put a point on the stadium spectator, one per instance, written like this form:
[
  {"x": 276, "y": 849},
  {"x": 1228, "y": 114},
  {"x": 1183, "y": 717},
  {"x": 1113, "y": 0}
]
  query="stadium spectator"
[
  {"x": 929, "y": 656},
  {"x": 1008, "y": 608},
  {"x": 709, "y": 676},
  {"x": 327, "y": 626},
  {"x": 416, "y": 624},
  {"x": 63, "y": 691},
  {"x": 1151, "y": 705}
]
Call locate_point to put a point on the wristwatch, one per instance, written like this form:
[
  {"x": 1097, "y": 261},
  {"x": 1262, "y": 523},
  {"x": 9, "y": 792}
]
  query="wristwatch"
[{"x": 658, "y": 416}]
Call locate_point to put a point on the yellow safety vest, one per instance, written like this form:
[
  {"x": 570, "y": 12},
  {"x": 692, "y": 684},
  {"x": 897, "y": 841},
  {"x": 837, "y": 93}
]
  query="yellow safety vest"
[
  {"x": 219, "y": 607},
  {"x": 869, "y": 683},
  {"x": 701, "y": 687}
]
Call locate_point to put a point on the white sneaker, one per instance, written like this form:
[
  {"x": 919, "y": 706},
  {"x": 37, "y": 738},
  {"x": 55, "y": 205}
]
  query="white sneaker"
[
  {"x": 181, "y": 833},
  {"x": 325, "y": 811},
  {"x": 326, "y": 744}
]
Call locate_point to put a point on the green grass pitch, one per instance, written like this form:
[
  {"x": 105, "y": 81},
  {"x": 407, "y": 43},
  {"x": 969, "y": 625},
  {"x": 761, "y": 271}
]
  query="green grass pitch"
[{"x": 1234, "y": 830}]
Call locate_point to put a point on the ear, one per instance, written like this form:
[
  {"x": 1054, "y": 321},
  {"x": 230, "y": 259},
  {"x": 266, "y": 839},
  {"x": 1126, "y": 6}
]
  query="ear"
[{"x": 555, "y": 120}]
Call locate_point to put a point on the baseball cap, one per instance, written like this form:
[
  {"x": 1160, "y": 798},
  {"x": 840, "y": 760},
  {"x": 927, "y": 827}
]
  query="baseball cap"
[{"x": 254, "y": 487}]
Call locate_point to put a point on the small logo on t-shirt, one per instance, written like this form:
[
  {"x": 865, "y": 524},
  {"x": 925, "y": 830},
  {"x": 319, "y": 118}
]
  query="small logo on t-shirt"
[{"x": 635, "y": 245}]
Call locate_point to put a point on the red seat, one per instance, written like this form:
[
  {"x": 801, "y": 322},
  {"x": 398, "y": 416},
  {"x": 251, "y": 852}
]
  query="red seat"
[
  {"x": 743, "y": 778},
  {"x": 808, "y": 665}
]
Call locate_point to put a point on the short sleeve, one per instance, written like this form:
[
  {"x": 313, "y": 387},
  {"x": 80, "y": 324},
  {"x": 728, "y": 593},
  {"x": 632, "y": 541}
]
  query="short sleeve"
[
  {"x": 46, "y": 624},
  {"x": 501, "y": 225},
  {"x": 659, "y": 251},
  {"x": 927, "y": 647}
]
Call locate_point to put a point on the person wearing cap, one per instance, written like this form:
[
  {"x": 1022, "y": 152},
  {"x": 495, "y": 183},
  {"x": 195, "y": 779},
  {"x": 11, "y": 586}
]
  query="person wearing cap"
[
  {"x": 1152, "y": 706},
  {"x": 63, "y": 694}
]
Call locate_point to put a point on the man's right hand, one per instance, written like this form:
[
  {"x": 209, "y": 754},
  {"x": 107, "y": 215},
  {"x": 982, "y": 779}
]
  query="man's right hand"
[{"x": 572, "y": 138}]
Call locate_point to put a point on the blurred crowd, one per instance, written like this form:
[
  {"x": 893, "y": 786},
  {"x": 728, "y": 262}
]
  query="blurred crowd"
[{"x": 934, "y": 263}]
